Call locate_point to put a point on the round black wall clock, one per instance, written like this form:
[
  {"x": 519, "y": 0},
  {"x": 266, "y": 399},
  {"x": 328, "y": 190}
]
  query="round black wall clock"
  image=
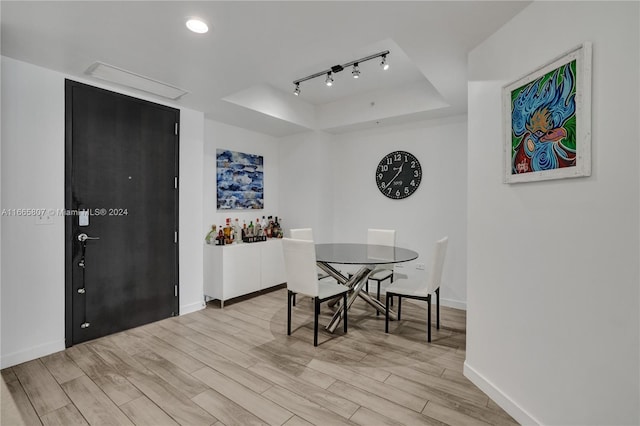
[{"x": 398, "y": 175}]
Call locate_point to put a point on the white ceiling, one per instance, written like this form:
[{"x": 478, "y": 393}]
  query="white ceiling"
[{"x": 241, "y": 71}]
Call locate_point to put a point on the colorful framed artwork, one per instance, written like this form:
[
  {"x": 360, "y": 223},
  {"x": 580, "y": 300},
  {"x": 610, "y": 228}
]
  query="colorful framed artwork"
[
  {"x": 240, "y": 179},
  {"x": 547, "y": 120}
]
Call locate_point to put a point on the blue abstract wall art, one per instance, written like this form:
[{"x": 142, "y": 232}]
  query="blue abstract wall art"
[{"x": 240, "y": 179}]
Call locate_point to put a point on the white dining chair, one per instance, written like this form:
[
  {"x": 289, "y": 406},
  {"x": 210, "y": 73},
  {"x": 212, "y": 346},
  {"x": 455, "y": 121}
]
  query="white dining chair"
[
  {"x": 307, "y": 235},
  {"x": 300, "y": 269},
  {"x": 381, "y": 237},
  {"x": 421, "y": 290}
]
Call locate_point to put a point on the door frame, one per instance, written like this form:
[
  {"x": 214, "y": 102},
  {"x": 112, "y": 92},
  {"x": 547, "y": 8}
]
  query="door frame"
[{"x": 68, "y": 198}]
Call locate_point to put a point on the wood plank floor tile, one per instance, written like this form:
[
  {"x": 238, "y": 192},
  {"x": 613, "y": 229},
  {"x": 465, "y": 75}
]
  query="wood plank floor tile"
[
  {"x": 241, "y": 375},
  {"x": 93, "y": 404},
  {"x": 229, "y": 413},
  {"x": 8, "y": 375},
  {"x": 297, "y": 421},
  {"x": 20, "y": 401},
  {"x": 62, "y": 367},
  {"x": 42, "y": 389},
  {"x": 303, "y": 407},
  {"x": 174, "y": 339},
  {"x": 331, "y": 401},
  {"x": 178, "y": 406},
  {"x": 112, "y": 383},
  {"x": 261, "y": 407},
  {"x": 65, "y": 416},
  {"x": 171, "y": 374},
  {"x": 143, "y": 412},
  {"x": 467, "y": 392},
  {"x": 365, "y": 417},
  {"x": 399, "y": 397},
  {"x": 175, "y": 356},
  {"x": 452, "y": 400},
  {"x": 378, "y": 404},
  {"x": 449, "y": 416}
]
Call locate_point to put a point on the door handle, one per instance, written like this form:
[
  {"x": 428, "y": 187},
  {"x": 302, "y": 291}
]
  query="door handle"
[{"x": 84, "y": 237}]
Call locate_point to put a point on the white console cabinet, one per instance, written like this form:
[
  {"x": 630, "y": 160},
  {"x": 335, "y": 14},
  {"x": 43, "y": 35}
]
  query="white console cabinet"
[{"x": 238, "y": 269}]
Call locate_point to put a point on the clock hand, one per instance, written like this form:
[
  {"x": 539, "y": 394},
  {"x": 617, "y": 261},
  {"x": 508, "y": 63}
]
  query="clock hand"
[{"x": 394, "y": 178}]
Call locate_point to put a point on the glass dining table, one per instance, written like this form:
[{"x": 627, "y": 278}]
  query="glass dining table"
[{"x": 370, "y": 257}]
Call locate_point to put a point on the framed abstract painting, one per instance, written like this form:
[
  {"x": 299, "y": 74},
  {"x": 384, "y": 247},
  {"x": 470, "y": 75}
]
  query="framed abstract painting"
[
  {"x": 240, "y": 179},
  {"x": 547, "y": 120}
]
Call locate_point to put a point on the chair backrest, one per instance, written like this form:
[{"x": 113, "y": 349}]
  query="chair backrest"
[
  {"x": 435, "y": 275},
  {"x": 382, "y": 237},
  {"x": 302, "y": 234},
  {"x": 300, "y": 266}
]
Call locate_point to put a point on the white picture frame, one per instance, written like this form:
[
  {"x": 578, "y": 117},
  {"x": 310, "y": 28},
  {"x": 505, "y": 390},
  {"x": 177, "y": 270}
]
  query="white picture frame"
[{"x": 547, "y": 120}]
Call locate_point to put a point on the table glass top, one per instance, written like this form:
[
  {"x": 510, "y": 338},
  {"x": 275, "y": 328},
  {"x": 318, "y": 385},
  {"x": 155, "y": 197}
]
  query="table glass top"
[{"x": 362, "y": 254}]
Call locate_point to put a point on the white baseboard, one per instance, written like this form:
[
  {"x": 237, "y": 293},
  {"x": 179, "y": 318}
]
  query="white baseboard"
[
  {"x": 29, "y": 354},
  {"x": 450, "y": 303},
  {"x": 500, "y": 398},
  {"x": 192, "y": 307},
  {"x": 457, "y": 304}
]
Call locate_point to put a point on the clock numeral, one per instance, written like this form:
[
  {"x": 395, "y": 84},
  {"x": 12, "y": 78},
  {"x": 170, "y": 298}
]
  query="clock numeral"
[
  {"x": 397, "y": 193},
  {"x": 379, "y": 175},
  {"x": 389, "y": 190},
  {"x": 406, "y": 189},
  {"x": 384, "y": 168},
  {"x": 382, "y": 185},
  {"x": 413, "y": 182},
  {"x": 413, "y": 164},
  {"x": 415, "y": 173},
  {"x": 397, "y": 157},
  {"x": 389, "y": 162}
]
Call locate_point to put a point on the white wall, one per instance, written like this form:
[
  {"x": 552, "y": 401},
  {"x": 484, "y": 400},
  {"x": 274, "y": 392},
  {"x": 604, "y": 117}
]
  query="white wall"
[
  {"x": 33, "y": 177},
  {"x": 328, "y": 183},
  {"x": 552, "y": 320},
  {"x": 190, "y": 256},
  {"x": 224, "y": 136},
  {"x": 306, "y": 168}
]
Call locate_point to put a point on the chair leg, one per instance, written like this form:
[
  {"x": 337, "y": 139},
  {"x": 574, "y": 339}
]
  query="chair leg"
[
  {"x": 391, "y": 283},
  {"x": 294, "y": 299},
  {"x": 429, "y": 318},
  {"x": 386, "y": 314},
  {"x": 344, "y": 310},
  {"x": 438, "y": 308},
  {"x": 289, "y": 296},
  {"x": 378, "y": 297},
  {"x": 366, "y": 286},
  {"x": 399, "y": 307},
  {"x": 315, "y": 322}
]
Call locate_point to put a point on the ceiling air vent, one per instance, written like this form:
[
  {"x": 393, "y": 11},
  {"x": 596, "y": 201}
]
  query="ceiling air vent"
[{"x": 135, "y": 81}]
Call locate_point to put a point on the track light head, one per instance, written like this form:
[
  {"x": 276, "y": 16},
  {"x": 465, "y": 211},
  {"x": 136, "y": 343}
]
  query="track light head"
[
  {"x": 384, "y": 64},
  {"x": 356, "y": 71},
  {"x": 297, "y": 90},
  {"x": 329, "y": 80}
]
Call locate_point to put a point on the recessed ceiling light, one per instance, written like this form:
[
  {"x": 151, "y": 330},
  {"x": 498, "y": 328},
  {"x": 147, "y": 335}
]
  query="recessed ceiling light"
[{"x": 197, "y": 26}]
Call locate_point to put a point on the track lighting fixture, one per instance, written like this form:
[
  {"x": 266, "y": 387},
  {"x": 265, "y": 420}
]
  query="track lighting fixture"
[
  {"x": 384, "y": 64},
  {"x": 329, "y": 80},
  {"x": 356, "y": 71},
  {"x": 337, "y": 68}
]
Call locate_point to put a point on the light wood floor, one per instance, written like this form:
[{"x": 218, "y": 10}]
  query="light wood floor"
[{"x": 237, "y": 366}]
